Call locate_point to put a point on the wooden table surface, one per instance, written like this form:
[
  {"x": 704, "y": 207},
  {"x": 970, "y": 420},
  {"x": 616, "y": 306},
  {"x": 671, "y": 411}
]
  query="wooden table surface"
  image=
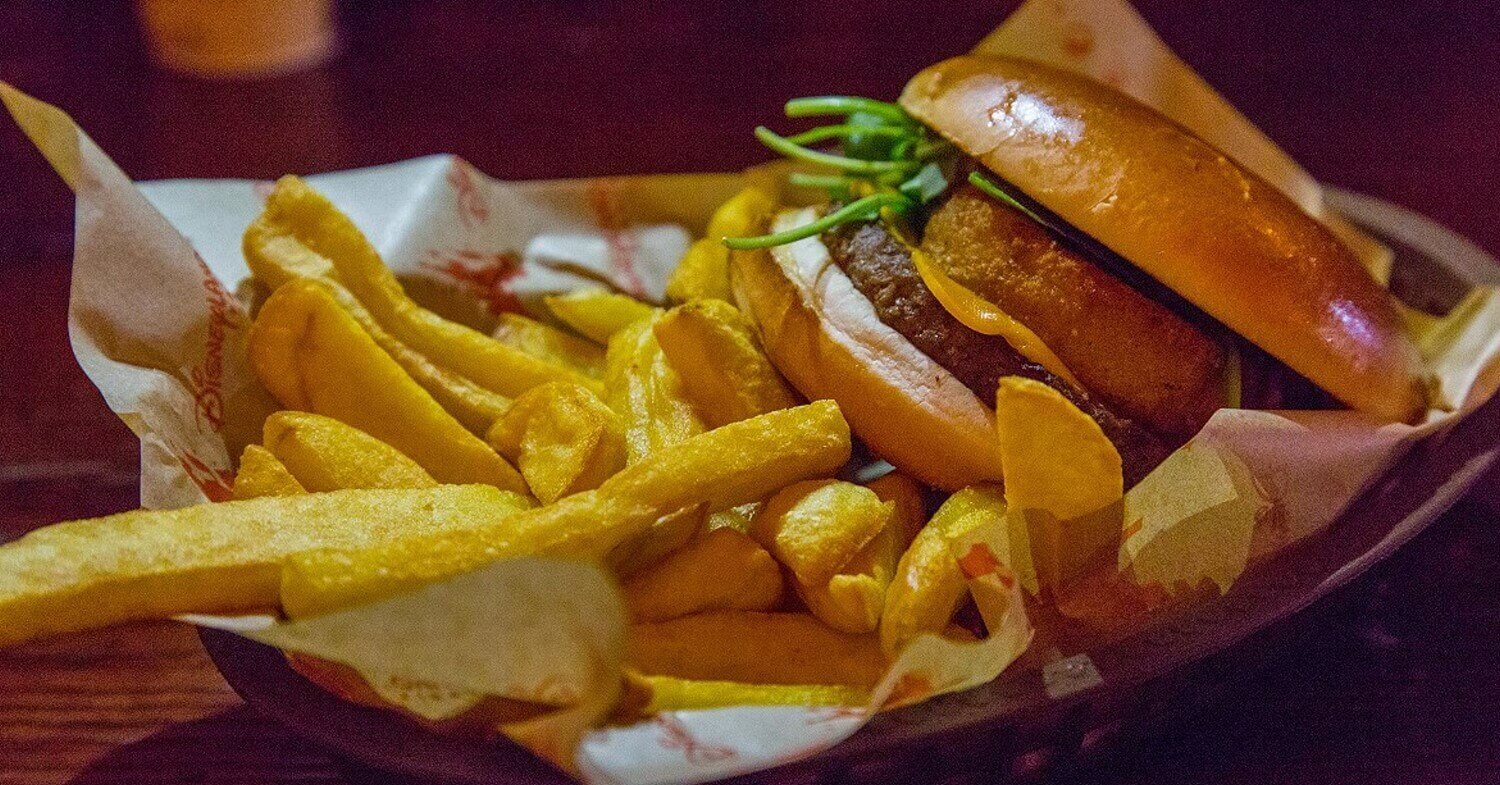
[{"x": 1393, "y": 680}]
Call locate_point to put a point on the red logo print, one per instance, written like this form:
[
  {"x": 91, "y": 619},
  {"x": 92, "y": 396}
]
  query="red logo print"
[
  {"x": 217, "y": 484},
  {"x": 910, "y": 688},
  {"x": 487, "y": 277},
  {"x": 979, "y": 561},
  {"x": 225, "y": 315},
  {"x": 473, "y": 210},
  {"x": 676, "y": 736},
  {"x": 604, "y": 200}
]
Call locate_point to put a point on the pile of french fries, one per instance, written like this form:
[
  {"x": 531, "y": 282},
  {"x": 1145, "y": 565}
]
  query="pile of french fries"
[{"x": 657, "y": 441}]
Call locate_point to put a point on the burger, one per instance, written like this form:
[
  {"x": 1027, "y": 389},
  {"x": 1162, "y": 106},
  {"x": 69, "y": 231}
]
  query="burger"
[{"x": 1008, "y": 218}]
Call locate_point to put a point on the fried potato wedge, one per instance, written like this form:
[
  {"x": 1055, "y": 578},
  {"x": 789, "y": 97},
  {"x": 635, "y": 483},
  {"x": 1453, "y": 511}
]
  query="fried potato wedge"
[
  {"x": 722, "y": 468},
  {"x": 670, "y": 533},
  {"x": 312, "y": 356},
  {"x": 324, "y": 454},
  {"x": 755, "y": 648},
  {"x": 261, "y": 474},
  {"x": 720, "y": 570},
  {"x": 704, "y": 270},
  {"x": 672, "y": 694},
  {"x": 563, "y": 439},
  {"x": 543, "y": 341},
  {"x": 211, "y": 558},
  {"x": 816, "y": 527},
  {"x": 1062, "y": 478},
  {"x": 929, "y": 584},
  {"x": 597, "y": 314},
  {"x": 723, "y": 370},
  {"x": 910, "y": 509},
  {"x": 647, "y": 392},
  {"x": 298, "y": 217}
]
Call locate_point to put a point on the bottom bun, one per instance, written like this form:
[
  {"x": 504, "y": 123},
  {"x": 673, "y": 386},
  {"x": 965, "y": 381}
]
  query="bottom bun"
[{"x": 825, "y": 338}]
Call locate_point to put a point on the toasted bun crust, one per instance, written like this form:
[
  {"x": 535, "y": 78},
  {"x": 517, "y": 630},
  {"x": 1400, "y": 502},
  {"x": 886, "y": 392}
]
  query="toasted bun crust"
[
  {"x": 1186, "y": 214},
  {"x": 824, "y": 336}
]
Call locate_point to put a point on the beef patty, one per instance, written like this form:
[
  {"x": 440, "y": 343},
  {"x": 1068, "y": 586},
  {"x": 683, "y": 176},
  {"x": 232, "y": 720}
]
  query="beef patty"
[{"x": 882, "y": 270}]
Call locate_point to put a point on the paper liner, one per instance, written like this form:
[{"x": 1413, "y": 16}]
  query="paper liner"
[{"x": 157, "y": 321}]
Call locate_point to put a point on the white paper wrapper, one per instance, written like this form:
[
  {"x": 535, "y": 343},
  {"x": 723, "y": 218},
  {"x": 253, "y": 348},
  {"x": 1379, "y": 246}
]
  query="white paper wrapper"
[{"x": 155, "y": 324}]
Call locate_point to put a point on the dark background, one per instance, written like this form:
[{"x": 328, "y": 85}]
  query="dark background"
[{"x": 1393, "y": 680}]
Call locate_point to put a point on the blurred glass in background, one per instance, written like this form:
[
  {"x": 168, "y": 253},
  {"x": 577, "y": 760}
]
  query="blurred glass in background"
[{"x": 238, "y": 39}]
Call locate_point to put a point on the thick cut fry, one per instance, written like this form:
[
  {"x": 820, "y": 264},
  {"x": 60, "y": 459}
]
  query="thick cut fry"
[
  {"x": 721, "y": 570},
  {"x": 910, "y": 513},
  {"x": 327, "y": 455},
  {"x": 548, "y": 343},
  {"x": 704, "y": 270},
  {"x": 670, "y": 532},
  {"x": 276, "y": 259},
  {"x": 597, "y": 314},
  {"x": 929, "y": 585},
  {"x": 212, "y": 558},
  {"x": 756, "y": 648},
  {"x": 818, "y": 526},
  {"x": 1062, "y": 478},
  {"x": 723, "y": 370},
  {"x": 298, "y": 217},
  {"x": 260, "y": 474},
  {"x": 563, "y": 439},
  {"x": 647, "y": 393},
  {"x": 312, "y": 356},
  {"x": 723, "y": 468},
  {"x": 672, "y": 694}
]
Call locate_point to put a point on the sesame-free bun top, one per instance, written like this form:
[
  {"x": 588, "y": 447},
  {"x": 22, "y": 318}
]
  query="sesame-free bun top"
[{"x": 1184, "y": 213}]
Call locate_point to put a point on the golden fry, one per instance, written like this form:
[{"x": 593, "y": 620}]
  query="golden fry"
[
  {"x": 211, "y": 558},
  {"x": 327, "y": 455},
  {"x": 721, "y": 570},
  {"x": 722, "y": 368},
  {"x": 647, "y": 393},
  {"x": 670, "y": 533},
  {"x": 704, "y": 270},
  {"x": 597, "y": 314},
  {"x": 1062, "y": 479},
  {"x": 563, "y": 439},
  {"x": 755, "y": 648},
  {"x": 729, "y": 466},
  {"x": 817, "y": 526},
  {"x": 312, "y": 356},
  {"x": 672, "y": 694},
  {"x": 301, "y": 223},
  {"x": 929, "y": 585},
  {"x": 910, "y": 513},
  {"x": 548, "y": 343},
  {"x": 260, "y": 474}
]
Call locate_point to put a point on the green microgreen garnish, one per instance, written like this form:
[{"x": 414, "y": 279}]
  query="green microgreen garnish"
[
  {"x": 997, "y": 191},
  {"x": 886, "y": 159},
  {"x": 858, "y": 210}
]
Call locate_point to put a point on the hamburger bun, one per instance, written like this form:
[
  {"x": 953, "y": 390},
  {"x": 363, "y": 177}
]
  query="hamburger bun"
[{"x": 1185, "y": 214}]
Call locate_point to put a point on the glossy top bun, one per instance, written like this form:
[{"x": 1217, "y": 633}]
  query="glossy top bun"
[{"x": 1184, "y": 213}]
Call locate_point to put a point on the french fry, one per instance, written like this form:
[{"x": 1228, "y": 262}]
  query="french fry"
[
  {"x": 563, "y": 439},
  {"x": 704, "y": 270},
  {"x": 1063, "y": 481},
  {"x": 815, "y": 527},
  {"x": 721, "y": 570},
  {"x": 210, "y": 558},
  {"x": 301, "y": 223},
  {"x": 673, "y": 694},
  {"x": 312, "y": 356},
  {"x": 910, "y": 513},
  {"x": 546, "y": 342},
  {"x": 324, "y": 454},
  {"x": 597, "y": 314},
  {"x": 755, "y": 648},
  {"x": 722, "y": 368},
  {"x": 275, "y": 259},
  {"x": 261, "y": 474},
  {"x": 646, "y": 392},
  {"x": 728, "y": 466},
  {"x": 929, "y": 585},
  {"x": 670, "y": 532}
]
